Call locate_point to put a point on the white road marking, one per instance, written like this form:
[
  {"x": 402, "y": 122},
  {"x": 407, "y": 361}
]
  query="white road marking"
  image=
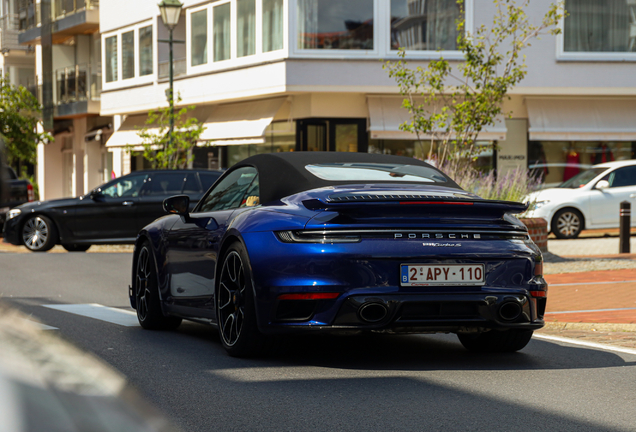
[
  {"x": 122, "y": 317},
  {"x": 586, "y": 344},
  {"x": 586, "y": 311},
  {"x": 38, "y": 324},
  {"x": 591, "y": 283}
]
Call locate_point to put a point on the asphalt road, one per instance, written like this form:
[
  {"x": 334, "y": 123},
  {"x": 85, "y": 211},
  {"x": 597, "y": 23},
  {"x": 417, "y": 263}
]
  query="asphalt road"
[{"x": 325, "y": 383}]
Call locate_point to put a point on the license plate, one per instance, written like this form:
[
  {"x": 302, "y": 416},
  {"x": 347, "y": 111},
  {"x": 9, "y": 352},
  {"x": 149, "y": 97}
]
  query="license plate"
[{"x": 441, "y": 274}]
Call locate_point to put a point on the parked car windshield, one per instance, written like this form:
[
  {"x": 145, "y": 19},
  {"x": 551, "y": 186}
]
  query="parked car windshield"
[
  {"x": 375, "y": 172},
  {"x": 582, "y": 178}
]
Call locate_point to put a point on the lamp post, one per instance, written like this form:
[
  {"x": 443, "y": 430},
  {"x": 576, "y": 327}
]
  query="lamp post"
[{"x": 170, "y": 13}]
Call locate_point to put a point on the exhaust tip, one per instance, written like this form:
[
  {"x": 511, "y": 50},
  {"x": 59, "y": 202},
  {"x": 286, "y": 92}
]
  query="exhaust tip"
[
  {"x": 372, "y": 312},
  {"x": 510, "y": 311}
]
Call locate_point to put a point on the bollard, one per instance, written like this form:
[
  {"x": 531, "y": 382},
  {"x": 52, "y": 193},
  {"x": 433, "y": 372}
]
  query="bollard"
[{"x": 625, "y": 225}]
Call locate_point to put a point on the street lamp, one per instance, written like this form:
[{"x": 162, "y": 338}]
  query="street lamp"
[{"x": 170, "y": 13}]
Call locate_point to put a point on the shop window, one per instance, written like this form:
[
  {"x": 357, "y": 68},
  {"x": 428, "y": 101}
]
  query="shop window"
[
  {"x": 335, "y": 24},
  {"x": 272, "y": 25},
  {"x": 111, "y": 59},
  {"x": 221, "y": 31},
  {"x": 199, "y": 38},
  {"x": 600, "y": 26},
  {"x": 145, "y": 51},
  {"x": 424, "y": 25},
  {"x": 246, "y": 27},
  {"x": 128, "y": 54}
]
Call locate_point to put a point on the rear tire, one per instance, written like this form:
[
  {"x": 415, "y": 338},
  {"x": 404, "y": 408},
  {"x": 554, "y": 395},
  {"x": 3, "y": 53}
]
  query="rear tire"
[
  {"x": 567, "y": 223},
  {"x": 72, "y": 247},
  {"x": 39, "y": 233},
  {"x": 496, "y": 341},
  {"x": 147, "y": 301},
  {"x": 235, "y": 306}
]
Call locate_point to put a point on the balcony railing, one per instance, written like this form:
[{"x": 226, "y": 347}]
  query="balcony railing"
[
  {"x": 28, "y": 14},
  {"x": 76, "y": 84},
  {"x": 62, "y": 8},
  {"x": 179, "y": 68},
  {"x": 29, "y": 11}
]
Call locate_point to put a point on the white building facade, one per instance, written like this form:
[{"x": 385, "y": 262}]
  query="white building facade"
[{"x": 293, "y": 75}]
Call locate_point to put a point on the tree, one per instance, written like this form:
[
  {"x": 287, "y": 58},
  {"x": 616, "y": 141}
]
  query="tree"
[
  {"x": 156, "y": 138},
  {"x": 453, "y": 105},
  {"x": 19, "y": 116}
]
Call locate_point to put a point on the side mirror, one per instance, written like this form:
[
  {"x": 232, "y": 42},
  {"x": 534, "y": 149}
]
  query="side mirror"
[
  {"x": 96, "y": 194},
  {"x": 602, "y": 184},
  {"x": 177, "y": 205}
]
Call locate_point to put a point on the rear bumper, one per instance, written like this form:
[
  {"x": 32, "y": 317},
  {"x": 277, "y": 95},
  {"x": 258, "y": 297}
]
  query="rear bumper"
[{"x": 416, "y": 313}]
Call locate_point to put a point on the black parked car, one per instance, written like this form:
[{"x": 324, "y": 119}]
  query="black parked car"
[{"x": 110, "y": 214}]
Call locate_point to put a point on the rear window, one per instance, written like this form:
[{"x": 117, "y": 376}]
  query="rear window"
[
  {"x": 9, "y": 173},
  {"x": 366, "y": 172}
]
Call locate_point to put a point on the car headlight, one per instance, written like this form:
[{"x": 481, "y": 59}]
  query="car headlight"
[
  {"x": 14, "y": 213},
  {"x": 537, "y": 205}
]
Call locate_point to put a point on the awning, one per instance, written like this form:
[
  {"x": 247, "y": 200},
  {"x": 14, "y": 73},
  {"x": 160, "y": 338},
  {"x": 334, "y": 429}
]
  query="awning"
[
  {"x": 240, "y": 123},
  {"x": 582, "y": 119},
  {"x": 127, "y": 135},
  {"x": 386, "y": 114}
]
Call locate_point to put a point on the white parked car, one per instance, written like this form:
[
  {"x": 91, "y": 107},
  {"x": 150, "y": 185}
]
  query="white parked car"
[{"x": 590, "y": 199}]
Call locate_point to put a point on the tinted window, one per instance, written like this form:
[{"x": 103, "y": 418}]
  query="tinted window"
[
  {"x": 128, "y": 186},
  {"x": 623, "y": 177},
  {"x": 191, "y": 184},
  {"x": 376, "y": 172},
  {"x": 164, "y": 184},
  {"x": 230, "y": 192},
  {"x": 252, "y": 195},
  {"x": 208, "y": 179},
  {"x": 10, "y": 173}
]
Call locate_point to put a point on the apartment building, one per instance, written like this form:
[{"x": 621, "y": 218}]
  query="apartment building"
[
  {"x": 64, "y": 34},
  {"x": 292, "y": 75},
  {"x": 17, "y": 62}
]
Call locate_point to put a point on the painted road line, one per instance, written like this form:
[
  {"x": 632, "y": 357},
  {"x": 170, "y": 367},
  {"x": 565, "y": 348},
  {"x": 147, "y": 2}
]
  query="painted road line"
[
  {"x": 590, "y": 283},
  {"x": 586, "y": 344},
  {"x": 586, "y": 311},
  {"x": 122, "y": 317},
  {"x": 37, "y": 324}
]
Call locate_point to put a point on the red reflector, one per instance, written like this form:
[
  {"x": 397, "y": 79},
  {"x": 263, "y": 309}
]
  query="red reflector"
[
  {"x": 30, "y": 195},
  {"x": 543, "y": 294},
  {"x": 309, "y": 296},
  {"x": 538, "y": 268},
  {"x": 435, "y": 202}
]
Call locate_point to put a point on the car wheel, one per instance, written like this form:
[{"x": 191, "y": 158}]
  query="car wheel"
[
  {"x": 496, "y": 341},
  {"x": 567, "y": 223},
  {"x": 147, "y": 300},
  {"x": 235, "y": 308},
  {"x": 72, "y": 247},
  {"x": 39, "y": 233}
]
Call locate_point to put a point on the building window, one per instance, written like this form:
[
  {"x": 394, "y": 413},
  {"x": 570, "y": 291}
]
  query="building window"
[
  {"x": 128, "y": 54},
  {"x": 424, "y": 25},
  {"x": 335, "y": 24},
  {"x": 145, "y": 51},
  {"x": 272, "y": 25},
  {"x": 111, "y": 59},
  {"x": 246, "y": 27},
  {"x": 222, "y": 18},
  {"x": 199, "y": 26},
  {"x": 600, "y": 26}
]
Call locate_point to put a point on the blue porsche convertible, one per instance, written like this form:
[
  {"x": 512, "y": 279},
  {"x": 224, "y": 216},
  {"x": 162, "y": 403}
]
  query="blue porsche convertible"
[{"x": 340, "y": 242}]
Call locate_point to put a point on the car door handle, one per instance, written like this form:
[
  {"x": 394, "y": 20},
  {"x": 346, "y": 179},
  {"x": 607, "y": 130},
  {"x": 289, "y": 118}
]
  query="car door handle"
[{"x": 128, "y": 203}]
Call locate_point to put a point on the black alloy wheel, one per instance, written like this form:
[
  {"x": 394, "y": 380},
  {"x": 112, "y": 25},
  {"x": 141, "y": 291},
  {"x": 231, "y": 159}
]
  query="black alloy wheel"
[
  {"x": 495, "y": 341},
  {"x": 39, "y": 233},
  {"x": 73, "y": 247},
  {"x": 567, "y": 223},
  {"x": 147, "y": 301},
  {"x": 235, "y": 309}
]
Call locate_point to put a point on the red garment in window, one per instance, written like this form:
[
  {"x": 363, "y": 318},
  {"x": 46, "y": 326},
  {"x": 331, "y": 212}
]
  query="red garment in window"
[{"x": 572, "y": 161}]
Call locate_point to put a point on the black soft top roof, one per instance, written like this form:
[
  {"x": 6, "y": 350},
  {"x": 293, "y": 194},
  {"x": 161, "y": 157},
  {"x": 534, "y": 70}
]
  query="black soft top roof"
[{"x": 284, "y": 174}]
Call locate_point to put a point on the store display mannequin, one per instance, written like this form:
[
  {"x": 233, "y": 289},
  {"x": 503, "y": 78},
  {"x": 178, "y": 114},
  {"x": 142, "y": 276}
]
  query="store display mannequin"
[
  {"x": 572, "y": 163},
  {"x": 603, "y": 154}
]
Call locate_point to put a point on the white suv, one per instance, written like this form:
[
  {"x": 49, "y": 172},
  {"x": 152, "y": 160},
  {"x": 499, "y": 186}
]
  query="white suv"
[{"x": 590, "y": 199}]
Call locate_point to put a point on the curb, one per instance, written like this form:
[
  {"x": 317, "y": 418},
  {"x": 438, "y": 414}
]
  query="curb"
[{"x": 605, "y": 327}]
